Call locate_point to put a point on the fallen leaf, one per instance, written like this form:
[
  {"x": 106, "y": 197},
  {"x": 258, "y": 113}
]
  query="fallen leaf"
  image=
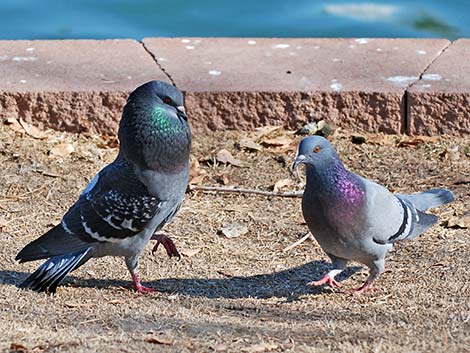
[
  {"x": 15, "y": 125},
  {"x": 159, "y": 340},
  {"x": 219, "y": 347},
  {"x": 72, "y": 305},
  {"x": 233, "y": 230},
  {"x": 264, "y": 131},
  {"x": 222, "y": 178},
  {"x": 282, "y": 140},
  {"x": 62, "y": 149},
  {"x": 116, "y": 301},
  {"x": 249, "y": 144},
  {"x": 281, "y": 184},
  {"x": 32, "y": 130},
  {"x": 451, "y": 153},
  {"x": 261, "y": 347},
  {"x": 189, "y": 252},
  {"x": 459, "y": 221},
  {"x": 18, "y": 348},
  {"x": 3, "y": 223},
  {"x": 196, "y": 173},
  {"x": 224, "y": 156},
  {"x": 416, "y": 140},
  {"x": 108, "y": 141}
]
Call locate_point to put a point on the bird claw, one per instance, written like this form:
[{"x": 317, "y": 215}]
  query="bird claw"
[
  {"x": 330, "y": 281},
  {"x": 364, "y": 288},
  {"x": 167, "y": 243},
  {"x": 139, "y": 287}
]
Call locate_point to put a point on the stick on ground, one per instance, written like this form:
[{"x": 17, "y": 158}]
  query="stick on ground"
[{"x": 244, "y": 191}]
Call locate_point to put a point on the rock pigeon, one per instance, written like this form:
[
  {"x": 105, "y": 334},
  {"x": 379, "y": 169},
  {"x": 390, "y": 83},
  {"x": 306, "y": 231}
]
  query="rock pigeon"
[
  {"x": 353, "y": 218},
  {"x": 128, "y": 200}
]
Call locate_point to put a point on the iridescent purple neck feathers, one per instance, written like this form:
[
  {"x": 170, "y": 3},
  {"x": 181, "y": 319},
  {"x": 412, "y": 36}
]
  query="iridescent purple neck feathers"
[{"x": 334, "y": 183}]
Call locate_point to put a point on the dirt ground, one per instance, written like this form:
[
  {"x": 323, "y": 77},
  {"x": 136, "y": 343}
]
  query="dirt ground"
[{"x": 240, "y": 294}]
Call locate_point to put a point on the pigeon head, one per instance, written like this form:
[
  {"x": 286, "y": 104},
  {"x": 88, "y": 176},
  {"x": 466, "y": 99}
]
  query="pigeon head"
[
  {"x": 154, "y": 132},
  {"x": 315, "y": 151}
]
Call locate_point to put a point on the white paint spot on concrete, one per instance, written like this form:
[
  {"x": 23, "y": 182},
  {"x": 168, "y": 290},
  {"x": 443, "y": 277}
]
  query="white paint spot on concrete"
[
  {"x": 298, "y": 47},
  {"x": 336, "y": 86},
  {"x": 432, "y": 77},
  {"x": 281, "y": 46},
  {"x": 190, "y": 47},
  {"x": 316, "y": 47},
  {"x": 427, "y": 85},
  {"x": 3, "y": 57},
  {"x": 421, "y": 52},
  {"x": 162, "y": 59},
  {"x": 129, "y": 77},
  {"x": 185, "y": 41},
  {"x": 207, "y": 62},
  {"x": 402, "y": 81},
  {"x": 352, "y": 46},
  {"x": 379, "y": 49},
  {"x": 252, "y": 42},
  {"x": 366, "y": 11},
  {"x": 23, "y": 81},
  {"x": 215, "y": 72},
  {"x": 24, "y": 58},
  {"x": 362, "y": 40},
  {"x": 292, "y": 53},
  {"x": 335, "y": 60},
  {"x": 30, "y": 49}
]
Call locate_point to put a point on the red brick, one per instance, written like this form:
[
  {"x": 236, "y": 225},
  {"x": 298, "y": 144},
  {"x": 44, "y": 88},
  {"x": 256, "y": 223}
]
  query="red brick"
[{"x": 440, "y": 102}]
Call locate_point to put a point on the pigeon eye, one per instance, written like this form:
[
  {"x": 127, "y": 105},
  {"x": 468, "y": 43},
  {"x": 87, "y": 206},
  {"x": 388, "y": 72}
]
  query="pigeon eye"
[
  {"x": 316, "y": 149},
  {"x": 167, "y": 100}
]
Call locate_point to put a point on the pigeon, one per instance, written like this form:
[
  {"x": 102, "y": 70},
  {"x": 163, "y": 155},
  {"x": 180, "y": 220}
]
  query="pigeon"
[
  {"x": 123, "y": 206},
  {"x": 353, "y": 218}
]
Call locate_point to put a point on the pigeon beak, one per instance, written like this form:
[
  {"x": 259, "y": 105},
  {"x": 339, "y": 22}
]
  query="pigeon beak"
[
  {"x": 298, "y": 161},
  {"x": 181, "y": 109}
]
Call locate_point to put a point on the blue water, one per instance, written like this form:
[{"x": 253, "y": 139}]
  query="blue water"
[{"x": 52, "y": 19}]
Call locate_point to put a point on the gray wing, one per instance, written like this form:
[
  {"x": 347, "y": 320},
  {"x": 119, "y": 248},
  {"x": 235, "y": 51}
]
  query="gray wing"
[
  {"x": 116, "y": 205},
  {"x": 390, "y": 217}
]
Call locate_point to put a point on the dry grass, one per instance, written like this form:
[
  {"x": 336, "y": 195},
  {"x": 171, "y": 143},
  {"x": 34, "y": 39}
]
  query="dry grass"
[{"x": 240, "y": 294}]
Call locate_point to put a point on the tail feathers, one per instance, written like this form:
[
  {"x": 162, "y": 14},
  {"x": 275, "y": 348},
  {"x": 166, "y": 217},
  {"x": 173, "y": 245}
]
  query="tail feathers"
[
  {"x": 55, "y": 242},
  {"x": 50, "y": 274},
  {"x": 423, "y": 223},
  {"x": 429, "y": 199}
]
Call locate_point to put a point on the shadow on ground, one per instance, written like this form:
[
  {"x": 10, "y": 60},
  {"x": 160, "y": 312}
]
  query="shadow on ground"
[{"x": 289, "y": 284}]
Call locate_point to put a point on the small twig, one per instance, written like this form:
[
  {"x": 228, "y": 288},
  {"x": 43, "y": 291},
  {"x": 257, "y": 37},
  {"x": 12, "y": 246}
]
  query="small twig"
[
  {"x": 298, "y": 242},
  {"x": 244, "y": 191}
]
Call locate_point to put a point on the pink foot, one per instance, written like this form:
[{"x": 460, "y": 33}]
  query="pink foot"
[
  {"x": 325, "y": 279},
  {"x": 140, "y": 287},
  {"x": 167, "y": 243},
  {"x": 367, "y": 286}
]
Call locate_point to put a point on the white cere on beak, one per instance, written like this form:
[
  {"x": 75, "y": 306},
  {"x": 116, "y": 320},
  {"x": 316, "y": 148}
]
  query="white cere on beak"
[{"x": 181, "y": 109}]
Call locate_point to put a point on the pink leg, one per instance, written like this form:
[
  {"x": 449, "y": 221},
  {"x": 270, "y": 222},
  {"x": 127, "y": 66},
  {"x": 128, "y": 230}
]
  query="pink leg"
[
  {"x": 167, "y": 243},
  {"x": 328, "y": 279},
  {"x": 367, "y": 286},
  {"x": 140, "y": 287}
]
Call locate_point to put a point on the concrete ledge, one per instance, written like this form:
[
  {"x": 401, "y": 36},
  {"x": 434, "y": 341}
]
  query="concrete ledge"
[
  {"x": 240, "y": 83},
  {"x": 73, "y": 85},
  {"x": 245, "y": 83},
  {"x": 440, "y": 102}
]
